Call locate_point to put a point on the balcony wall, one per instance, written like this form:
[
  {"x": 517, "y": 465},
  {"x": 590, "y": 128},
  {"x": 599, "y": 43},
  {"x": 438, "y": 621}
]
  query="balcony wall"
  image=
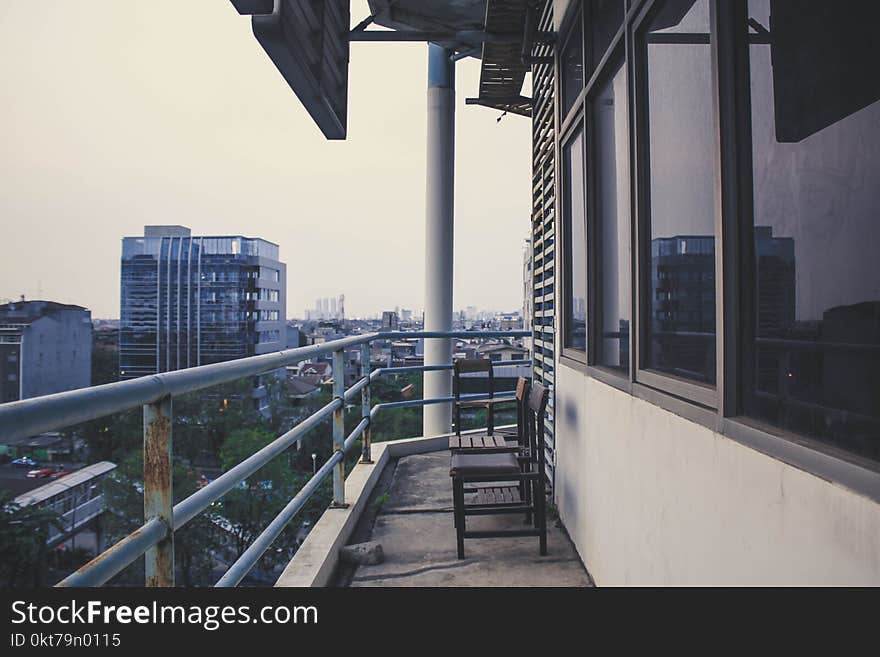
[{"x": 652, "y": 498}]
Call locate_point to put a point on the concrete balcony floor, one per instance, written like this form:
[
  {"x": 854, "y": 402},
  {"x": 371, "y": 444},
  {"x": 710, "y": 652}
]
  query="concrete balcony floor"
[{"x": 410, "y": 514}]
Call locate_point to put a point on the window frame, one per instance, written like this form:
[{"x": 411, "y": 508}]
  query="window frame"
[
  {"x": 612, "y": 61},
  {"x": 573, "y": 354},
  {"x": 573, "y": 20},
  {"x": 698, "y": 393}
]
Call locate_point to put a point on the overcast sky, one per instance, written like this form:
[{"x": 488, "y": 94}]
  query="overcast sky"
[{"x": 118, "y": 114}]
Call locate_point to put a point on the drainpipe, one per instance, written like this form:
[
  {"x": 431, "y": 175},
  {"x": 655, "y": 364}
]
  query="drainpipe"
[{"x": 439, "y": 233}]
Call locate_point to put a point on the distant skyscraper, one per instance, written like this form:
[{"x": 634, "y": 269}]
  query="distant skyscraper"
[
  {"x": 190, "y": 301},
  {"x": 45, "y": 347},
  {"x": 389, "y": 320}
]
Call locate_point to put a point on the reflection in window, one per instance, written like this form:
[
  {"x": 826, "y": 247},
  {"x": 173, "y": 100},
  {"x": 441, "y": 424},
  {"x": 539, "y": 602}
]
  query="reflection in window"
[
  {"x": 572, "y": 67},
  {"x": 606, "y": 18},
  {"x": 814, "y": 365},
  {"x": 681, "y": 207},
  {"x": 609, "y": 117},
  {"x": 575, "y": 265}
]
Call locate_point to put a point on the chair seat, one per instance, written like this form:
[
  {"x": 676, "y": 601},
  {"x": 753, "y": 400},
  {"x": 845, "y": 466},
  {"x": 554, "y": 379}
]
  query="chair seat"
[
  {"x": 498, "y": 495},
  {"x": 464, "y": 464},
  {"x": 480, "y": 441}
]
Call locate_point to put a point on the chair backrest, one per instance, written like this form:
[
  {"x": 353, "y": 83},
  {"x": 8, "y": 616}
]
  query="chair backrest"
[
  {"x": 522, "y": 400},
  {"x": 470, "y": 366},
  {"x": 522, "y": 385},
  {"x": 537, "y": 407}
]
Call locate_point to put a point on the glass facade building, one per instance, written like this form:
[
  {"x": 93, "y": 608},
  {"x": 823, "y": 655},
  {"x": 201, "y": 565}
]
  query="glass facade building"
[{"x": 188, "y": 301}]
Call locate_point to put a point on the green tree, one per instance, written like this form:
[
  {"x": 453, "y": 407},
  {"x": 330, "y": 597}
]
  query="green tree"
[
  {"x": 252, "y": 506},
  {"x": 23, "y": 534},
  {"x": 194, "y": 545}
]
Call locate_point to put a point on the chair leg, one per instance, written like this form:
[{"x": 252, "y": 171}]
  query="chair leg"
[
  {"x": 541, "y": 515},
  {"x": 458, "y": 508},
  {"x": 454, "y": 505},
  {"x": 528, "y": 501}
]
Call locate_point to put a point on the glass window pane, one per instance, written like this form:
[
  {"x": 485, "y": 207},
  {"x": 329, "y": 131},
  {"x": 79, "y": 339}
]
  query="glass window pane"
[
  {"x": 572, "y": 65},
  {"x": 612, "y": 222},
  {"x": 814, "y": 367},
  {"x": 606, "y": 18},
  {"x": 681, "y": 205},
  {"x": 575, "y": 266}
]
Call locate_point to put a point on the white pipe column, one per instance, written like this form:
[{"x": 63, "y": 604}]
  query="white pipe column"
[{"x": 439, "y": 234}]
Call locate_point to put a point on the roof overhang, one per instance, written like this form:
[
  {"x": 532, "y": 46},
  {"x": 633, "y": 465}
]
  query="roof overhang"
[
  {"x": 499, "y": 32},
  {"x": 309, "y": 44}
]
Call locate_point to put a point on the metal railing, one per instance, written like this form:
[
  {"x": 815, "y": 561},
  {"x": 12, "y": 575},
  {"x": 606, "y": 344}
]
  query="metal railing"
[{"x": 155, "y": 538}]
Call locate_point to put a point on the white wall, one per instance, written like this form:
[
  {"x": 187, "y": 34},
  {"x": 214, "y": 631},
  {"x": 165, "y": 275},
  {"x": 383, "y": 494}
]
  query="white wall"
[{"x": 652, "y": 498}]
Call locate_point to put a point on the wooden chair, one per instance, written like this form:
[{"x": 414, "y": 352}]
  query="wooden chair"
[
  {"x": 507, "y": 477},
  {"x": 513, "y": 440},
  {"x": 499, "y": 440},
  {"x": 470, "y": 366}
]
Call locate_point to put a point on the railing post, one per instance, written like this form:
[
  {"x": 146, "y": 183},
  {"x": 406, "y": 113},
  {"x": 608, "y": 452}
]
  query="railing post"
[
  {"x": 339, "y": 428},
  {"x": 158, "y": 495},
  {"x": 366, "y": 453}
]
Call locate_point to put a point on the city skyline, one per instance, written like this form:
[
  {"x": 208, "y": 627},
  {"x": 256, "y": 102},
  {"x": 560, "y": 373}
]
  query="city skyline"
[{"x": 236, "y": 134}]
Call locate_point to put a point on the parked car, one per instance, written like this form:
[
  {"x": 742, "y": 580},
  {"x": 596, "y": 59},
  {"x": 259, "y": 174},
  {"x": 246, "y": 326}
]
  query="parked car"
[
  {"x": 24, "y": 462},
  {"x": 39, "y": 474}
]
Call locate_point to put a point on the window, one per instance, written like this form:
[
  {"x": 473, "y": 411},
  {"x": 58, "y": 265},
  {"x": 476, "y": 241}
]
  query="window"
[
  {"x": 606, "y": 18},
  {"x": 269, "y": 336},
  {"x": 678, "y": 197},
  {"x": 575, "y": 269},
  {"x": 611, "y": 224},
  {"x": 269, "y": 274},
  {"x": 572, "y": 67},
  {"x": 812, "y": 362}
]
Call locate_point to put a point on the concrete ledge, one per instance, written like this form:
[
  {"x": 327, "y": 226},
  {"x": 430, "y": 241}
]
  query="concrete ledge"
[{"x": 316, "y": 560}]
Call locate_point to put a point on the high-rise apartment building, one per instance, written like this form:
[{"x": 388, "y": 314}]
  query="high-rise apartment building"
[{"x": 188, "y": 301}]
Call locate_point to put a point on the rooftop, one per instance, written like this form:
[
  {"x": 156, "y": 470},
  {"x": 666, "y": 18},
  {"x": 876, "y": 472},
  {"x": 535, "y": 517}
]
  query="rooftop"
[{"x": 25, "y": 312}]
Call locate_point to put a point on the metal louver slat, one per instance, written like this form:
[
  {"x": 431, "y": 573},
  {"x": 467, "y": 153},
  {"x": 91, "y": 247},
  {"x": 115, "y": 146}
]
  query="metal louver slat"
[{"x": 543, "y": 219}]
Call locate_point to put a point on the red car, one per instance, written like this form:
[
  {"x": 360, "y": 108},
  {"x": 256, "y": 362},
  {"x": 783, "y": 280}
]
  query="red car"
[
  {"x": 39, "y": 474},
  {"x": 59, "y": 474}
]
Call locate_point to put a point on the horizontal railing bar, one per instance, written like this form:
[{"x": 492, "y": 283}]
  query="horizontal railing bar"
[
  {"x": 442, "y": 400},
  {"x": 356, "y": 388},
  {"x": 33, "y": 416},
  {"x": 436, "y": 368},
  {"x": 465, "y": 335},
  {"x": 249, "y": 558},
  {"x": 359, "y": 429},
  {"x": 412, "y": 368},
  {"x": 185, "y": 510},
  {"x": 116, "y": 558},
  {"x": 243, "y": 565},
  {"x": 29, "y": 417}
]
